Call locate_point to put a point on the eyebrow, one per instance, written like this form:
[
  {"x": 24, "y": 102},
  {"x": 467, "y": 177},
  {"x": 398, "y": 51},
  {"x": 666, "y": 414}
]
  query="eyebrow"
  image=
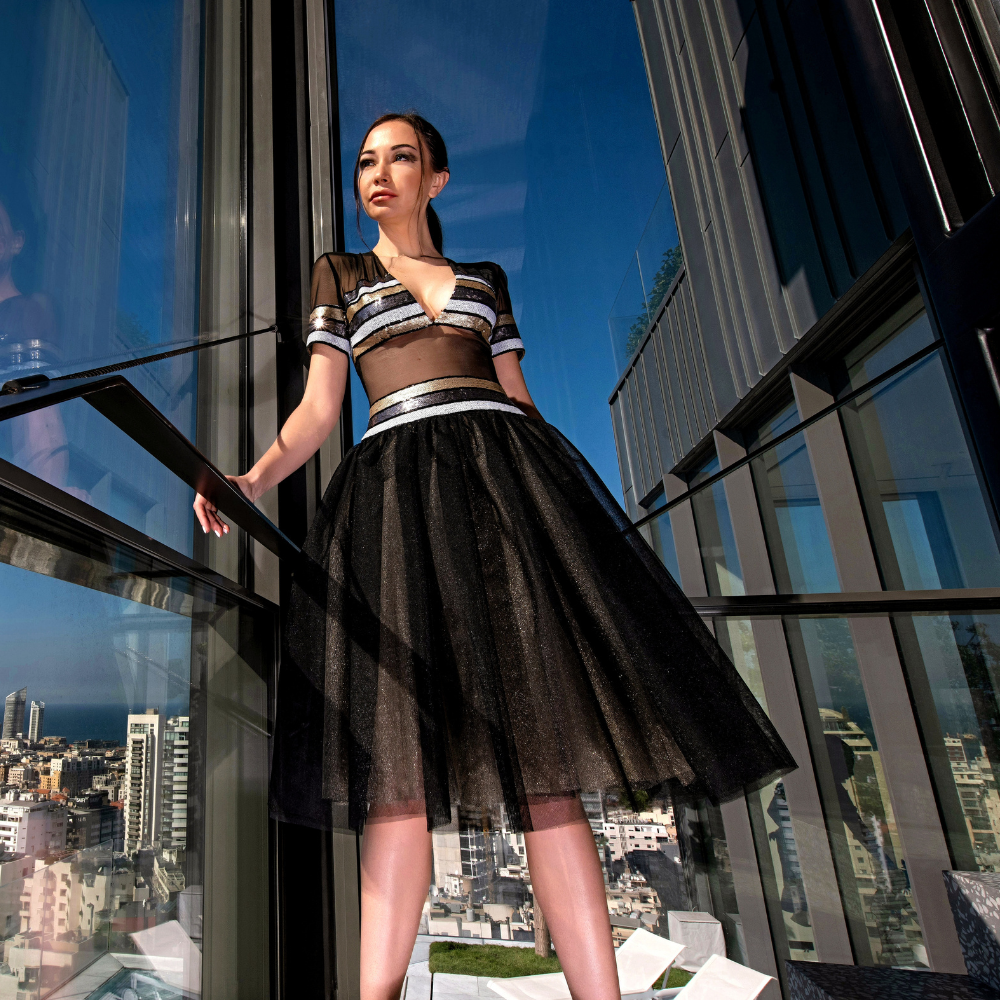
[{"x": 399, "y": 145}]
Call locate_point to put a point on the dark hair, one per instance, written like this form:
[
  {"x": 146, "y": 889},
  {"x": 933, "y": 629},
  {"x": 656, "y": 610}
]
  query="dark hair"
[{"x": 427, "y": 136}]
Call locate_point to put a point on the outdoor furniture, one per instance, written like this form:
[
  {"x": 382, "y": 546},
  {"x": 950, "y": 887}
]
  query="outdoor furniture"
[
  {"x": 818, "y": 981},
  {"x": 641, "y": 961},
  {"x": 720, "y": 979},
  {"x": 700, "y": 933}
]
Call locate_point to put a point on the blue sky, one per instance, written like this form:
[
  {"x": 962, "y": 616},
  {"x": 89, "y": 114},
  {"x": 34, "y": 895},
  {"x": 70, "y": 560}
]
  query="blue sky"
[{"x": 555, "y": 168}]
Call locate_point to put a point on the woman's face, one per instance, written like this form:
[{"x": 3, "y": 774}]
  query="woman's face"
[{"x": 390, "y": 174}]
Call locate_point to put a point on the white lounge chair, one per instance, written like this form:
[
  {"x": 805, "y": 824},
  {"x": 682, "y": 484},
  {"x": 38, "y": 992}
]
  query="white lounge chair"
[
  {"x": 641, "y": 961},
  {"x": 720, "y": 979}
]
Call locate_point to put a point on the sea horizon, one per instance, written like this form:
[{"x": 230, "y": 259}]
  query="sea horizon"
[{"x": 93, "y": 722}]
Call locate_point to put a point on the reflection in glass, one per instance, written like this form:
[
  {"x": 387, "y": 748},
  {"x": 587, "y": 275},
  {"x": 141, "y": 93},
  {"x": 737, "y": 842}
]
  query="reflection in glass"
[
  {"x": 651, "y": 272},
  {"x": 796, "y": 532},
  {"x": 708, "y": 869},
  {"x": 781, "y": 873},
  {"x": 917, "y": 477},
  {"x": 660, "y": 535},
  {"x": 99, "y": 196},
  {"x": 770, "y": 818},
  {"x": 716, "y": 540},
  {"x": 109, "y": 740},
  {"x": 871, "y": 870},
  {"x": 953, "y": 664}
]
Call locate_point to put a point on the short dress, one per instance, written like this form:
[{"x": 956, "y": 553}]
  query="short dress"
[{"x": 475, "y": 625}]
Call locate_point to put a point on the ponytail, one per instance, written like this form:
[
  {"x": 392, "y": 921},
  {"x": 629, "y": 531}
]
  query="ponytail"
[{"x": 434, "y": 225}]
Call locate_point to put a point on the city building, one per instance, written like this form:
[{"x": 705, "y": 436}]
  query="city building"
[
  {"x": 806, "y": 424},
  {"x": 173, "y": 823},
  {"x": 36, "y": 722},
  {"x": 624, "y": 838},
  {"x": 22, "y": 775},
  {"x": 73, "y": 773},
  {"x": 142, "y": 787},
  {"x": 13, "y": 714},
  {"x": 32, "y": 825},
  {"x": 92, "y": 820},
  {"x": 14, "y": 866}
]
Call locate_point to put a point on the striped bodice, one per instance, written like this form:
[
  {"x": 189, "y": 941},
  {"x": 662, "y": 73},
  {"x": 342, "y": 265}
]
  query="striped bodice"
[
  {"x": 380, "y": 307},
  {"x": 359, "y": 307}
]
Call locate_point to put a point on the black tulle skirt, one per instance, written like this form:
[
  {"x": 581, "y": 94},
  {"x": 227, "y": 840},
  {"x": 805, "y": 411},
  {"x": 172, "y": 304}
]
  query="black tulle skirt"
[{"x": 477, "y": 624}]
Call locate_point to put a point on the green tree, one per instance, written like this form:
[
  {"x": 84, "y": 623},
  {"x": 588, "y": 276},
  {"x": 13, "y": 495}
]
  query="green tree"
[{"x": 670, "y": 264}]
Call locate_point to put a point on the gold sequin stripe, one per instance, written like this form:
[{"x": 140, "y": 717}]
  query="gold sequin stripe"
[
  {"x": 370, "y": 298},
  {"x": 434, "y": 385},
  {"x": 321, "y": 316}
]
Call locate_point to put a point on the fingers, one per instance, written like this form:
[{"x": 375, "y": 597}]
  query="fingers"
[{"x": 209, "y": 518}]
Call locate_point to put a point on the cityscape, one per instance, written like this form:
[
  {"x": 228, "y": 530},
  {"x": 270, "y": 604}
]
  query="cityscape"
[
  {"x": 93, "y": 842},
  {"x": 481, "y": 882}
]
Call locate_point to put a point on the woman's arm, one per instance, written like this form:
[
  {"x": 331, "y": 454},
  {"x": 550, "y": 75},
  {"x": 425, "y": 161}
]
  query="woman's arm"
[
  {"x": 512, "y": 379},
  {"x": 305, "y": 430}
]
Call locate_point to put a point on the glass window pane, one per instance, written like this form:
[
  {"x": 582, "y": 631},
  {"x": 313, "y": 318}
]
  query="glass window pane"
[
  {"x": 953, "y": 665},
  {"x": 130, "y": 688},
  {"x": 874, "y": 885},
  {"x": 660, "y": 535},
  {"x": 794, "y": 526},
  {"x": 100, "y": 188},
  {"x": 917, "y": 476},
  {"x": 719, "y": 557},
  {"x": 900, "y": 337},
  {"x": 771, "y": 821},
  {"x": 708, "y": 870}
]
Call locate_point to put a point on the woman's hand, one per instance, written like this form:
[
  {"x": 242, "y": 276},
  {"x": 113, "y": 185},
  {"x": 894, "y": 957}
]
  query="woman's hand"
[
  {"x": 304, "y": 431},
  {"x": 208, "y": 514}
]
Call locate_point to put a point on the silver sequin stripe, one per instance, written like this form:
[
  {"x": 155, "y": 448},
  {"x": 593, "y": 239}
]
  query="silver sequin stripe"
[
  {"x": 442, "y": 409},
  {"x": 324, "y": 337},
  {"x": 512, "y": 344}
]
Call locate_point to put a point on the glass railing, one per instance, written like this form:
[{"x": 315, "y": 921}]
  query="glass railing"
[
  {"x": 650, "y": 273},
  {"x": 112, "y": 925}
]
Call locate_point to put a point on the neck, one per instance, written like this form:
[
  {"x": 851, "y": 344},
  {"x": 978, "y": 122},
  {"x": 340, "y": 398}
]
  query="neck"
[
  {"x": 407, "y": 240},
  {"x": 7, "y": 287}
]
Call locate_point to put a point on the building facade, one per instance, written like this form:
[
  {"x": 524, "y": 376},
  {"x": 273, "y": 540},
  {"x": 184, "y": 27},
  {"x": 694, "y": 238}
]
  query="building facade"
[
  {"x": 36, "y": 723},
  {"x": 807, "y": 434},
  {"x": 142, "y": 797},
  {"x": 13, "y": 714}
]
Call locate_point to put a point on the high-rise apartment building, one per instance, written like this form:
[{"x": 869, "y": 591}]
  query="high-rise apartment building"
[
  {"x": 806, "y": 424},
  {"x": 36, "y": 721},
  {"x": 13, "y": 714},
  {"x": 142, "y": 791},
  {"x": 32, "y": 824},
  {"x": 173, "y": 822}
]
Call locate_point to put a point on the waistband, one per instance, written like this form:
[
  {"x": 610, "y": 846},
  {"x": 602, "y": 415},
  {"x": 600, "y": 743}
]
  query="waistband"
[{"x": 450, "y": 394}]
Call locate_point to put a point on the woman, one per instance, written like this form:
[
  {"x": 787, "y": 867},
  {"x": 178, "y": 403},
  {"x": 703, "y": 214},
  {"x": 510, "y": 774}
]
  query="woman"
[{"x": 477, "y": 624}]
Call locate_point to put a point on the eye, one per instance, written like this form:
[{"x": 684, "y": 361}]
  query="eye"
[
  {"x": 406, "y": 156},
  {"x": 367, "y": 162}
]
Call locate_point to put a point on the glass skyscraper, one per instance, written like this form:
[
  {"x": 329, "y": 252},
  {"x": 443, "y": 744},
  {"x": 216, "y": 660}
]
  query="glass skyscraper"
[{"x": 806, "y": 433}]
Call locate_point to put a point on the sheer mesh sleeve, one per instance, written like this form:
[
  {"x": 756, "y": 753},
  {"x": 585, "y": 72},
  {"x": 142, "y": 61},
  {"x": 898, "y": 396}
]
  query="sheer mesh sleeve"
[
  {"x": 327, "y": 323},
  {"x": 505, "y": 336}
]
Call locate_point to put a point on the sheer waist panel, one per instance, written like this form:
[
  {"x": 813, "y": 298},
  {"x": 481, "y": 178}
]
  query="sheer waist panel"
[{"x": 434, "y": 353}]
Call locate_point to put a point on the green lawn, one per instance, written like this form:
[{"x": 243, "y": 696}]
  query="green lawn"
[
  {"x": 676, "y": 977},
  {"x": 489, "y": 960},
  {"x": 501, "y": 963}
]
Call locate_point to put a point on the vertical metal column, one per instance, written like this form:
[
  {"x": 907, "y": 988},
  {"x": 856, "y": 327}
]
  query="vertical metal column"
[
  {"x": 910, "y": 791},
  {"x": 808, "y": 822}
]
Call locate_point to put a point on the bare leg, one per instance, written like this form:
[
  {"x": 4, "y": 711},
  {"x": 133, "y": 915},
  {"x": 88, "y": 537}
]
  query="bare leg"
[
  {"x": 395, "y": 876},
  {"x": 568, "y": 883}
]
